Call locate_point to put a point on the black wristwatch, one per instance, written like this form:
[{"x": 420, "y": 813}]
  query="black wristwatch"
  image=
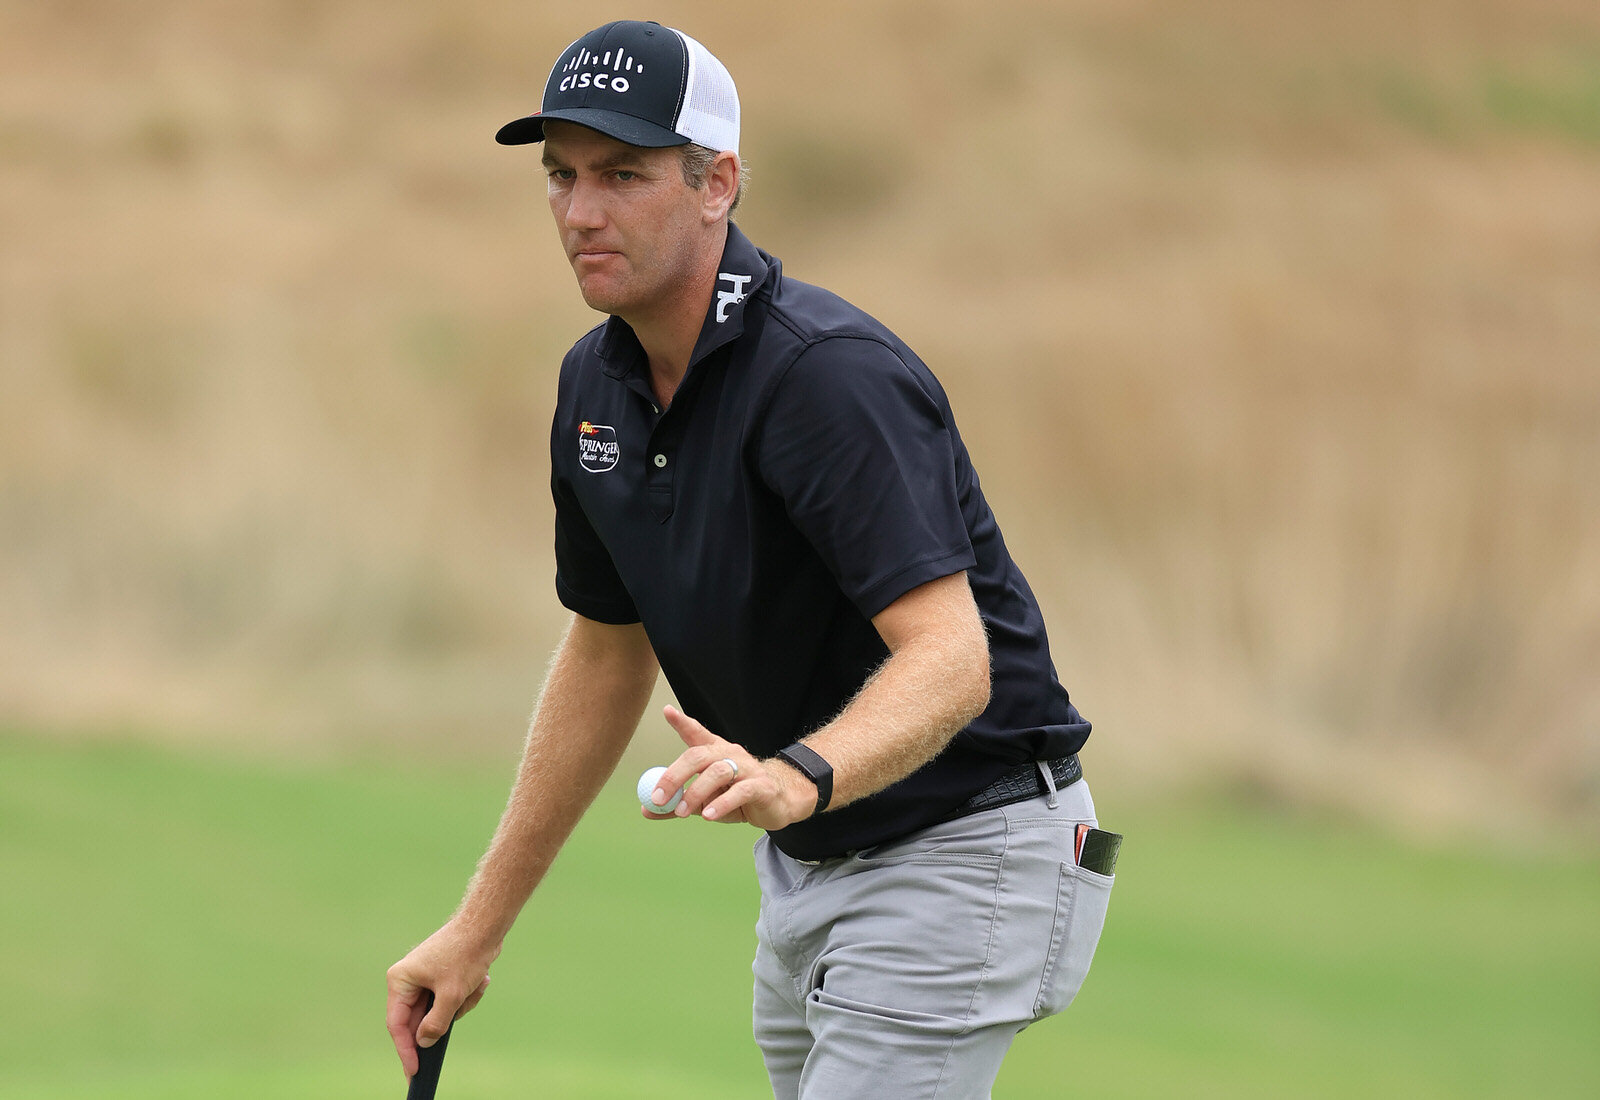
[{"x": 814, "y": 768}]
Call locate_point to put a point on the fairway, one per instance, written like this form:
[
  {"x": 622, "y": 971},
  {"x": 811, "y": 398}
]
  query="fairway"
[{"x": 173, "y": 926}]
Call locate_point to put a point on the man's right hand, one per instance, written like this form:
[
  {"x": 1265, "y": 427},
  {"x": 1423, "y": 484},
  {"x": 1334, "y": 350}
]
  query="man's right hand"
[{"x": 455, "y": 970}]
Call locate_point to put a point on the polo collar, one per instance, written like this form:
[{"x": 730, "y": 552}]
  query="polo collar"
[{"x": 743, "y": 270}]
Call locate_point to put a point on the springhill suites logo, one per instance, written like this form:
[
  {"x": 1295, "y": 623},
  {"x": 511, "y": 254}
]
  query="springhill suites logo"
[{"x": 607, "y": 70}]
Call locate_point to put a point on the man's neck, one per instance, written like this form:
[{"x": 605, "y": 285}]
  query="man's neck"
[{"x": 669, "y": 335}]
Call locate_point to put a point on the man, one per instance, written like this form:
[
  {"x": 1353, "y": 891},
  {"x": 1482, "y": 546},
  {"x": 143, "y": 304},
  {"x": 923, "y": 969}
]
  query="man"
[{"x": 761, "y": 491}]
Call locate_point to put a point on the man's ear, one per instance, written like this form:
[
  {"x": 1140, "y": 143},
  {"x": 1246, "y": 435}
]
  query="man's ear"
[{"x": 722, "y": 186}]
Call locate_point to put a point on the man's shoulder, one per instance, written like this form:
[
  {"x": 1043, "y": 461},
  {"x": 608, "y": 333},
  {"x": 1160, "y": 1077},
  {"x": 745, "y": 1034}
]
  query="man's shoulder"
[
  {"x": 834, "y": 343},
  {"x": 813, "y": 313}
]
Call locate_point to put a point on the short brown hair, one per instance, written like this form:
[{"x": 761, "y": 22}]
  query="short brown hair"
[{"x": 697, "y": 161}]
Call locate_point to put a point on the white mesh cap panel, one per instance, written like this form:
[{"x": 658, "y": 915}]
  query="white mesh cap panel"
[{"x": 710, "y": 114}]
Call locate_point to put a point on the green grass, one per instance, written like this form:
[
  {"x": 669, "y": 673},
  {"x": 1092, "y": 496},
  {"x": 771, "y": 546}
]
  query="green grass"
[{"x": 178, "y": 927}]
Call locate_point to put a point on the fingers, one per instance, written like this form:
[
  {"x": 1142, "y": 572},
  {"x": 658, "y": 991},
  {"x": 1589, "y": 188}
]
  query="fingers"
[
  {"x": 704, "y": 749},
  {"x": 692, "y": 732},
  {"x": 717, "y": 791},
  {"x": 403, "y": 1036},
  {"x": 447, "y": 1008},
  {"x": 407, "y": 1004},
  {"x": 729, "y": 784},
  {"x": 428, "y": 991},
  {"x": 438, "y": 1020},
  {"x": 714, "y": 768},
  {"x": 472, "y": 1000},
  {"x": 729, "y": 806},
  {"x": 420, "y": 1022}
]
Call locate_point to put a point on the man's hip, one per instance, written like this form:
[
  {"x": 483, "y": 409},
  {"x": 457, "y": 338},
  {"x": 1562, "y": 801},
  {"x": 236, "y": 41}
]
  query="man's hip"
[{"x": 907, "y": 968}]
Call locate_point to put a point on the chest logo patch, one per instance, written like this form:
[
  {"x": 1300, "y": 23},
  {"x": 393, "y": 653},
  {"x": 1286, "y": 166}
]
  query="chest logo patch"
[{"x": 597, "y": 447}]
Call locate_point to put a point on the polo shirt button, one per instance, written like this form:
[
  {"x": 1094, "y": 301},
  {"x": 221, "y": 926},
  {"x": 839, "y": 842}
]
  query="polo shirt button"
[{"x": 661, "y": 460}]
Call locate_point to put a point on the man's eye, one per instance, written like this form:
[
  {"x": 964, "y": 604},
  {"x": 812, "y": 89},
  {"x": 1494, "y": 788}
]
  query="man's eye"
[{"x": 623, "y": 175}]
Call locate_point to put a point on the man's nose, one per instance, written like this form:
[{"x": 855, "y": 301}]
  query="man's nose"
[{"x": 585, "y": 210}]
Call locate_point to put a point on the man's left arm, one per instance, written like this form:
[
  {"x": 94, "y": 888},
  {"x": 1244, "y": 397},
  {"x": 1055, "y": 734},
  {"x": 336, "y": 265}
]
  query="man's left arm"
[{"x": 934, "y": 682}]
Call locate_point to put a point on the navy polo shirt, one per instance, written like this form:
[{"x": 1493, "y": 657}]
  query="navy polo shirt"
[{"x": 806, "y": 475}]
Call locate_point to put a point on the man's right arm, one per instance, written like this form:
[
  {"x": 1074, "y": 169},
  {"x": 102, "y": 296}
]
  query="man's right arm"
[{"x": 598, "y": 685}]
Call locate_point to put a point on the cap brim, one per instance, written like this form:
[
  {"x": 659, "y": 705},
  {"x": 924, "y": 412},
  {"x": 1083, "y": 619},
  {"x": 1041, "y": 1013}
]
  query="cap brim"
[{"x": 626, "y": 128}]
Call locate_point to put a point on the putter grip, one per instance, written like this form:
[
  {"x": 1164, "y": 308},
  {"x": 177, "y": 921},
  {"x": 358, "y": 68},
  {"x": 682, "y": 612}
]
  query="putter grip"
[{"x": 430, "y": 1060}]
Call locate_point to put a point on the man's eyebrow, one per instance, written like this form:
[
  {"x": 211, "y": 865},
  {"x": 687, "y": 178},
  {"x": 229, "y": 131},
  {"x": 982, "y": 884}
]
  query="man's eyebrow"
[
  {"x": 621, "y": 158},
  {"x": 627, "y": 154}
]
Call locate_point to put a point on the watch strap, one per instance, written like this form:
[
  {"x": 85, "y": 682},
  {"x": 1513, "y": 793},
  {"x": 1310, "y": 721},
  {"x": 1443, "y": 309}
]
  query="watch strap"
[{"x": 806, "y": 761}]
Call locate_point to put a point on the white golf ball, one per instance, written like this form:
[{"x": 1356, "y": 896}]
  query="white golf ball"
[{"x": 647, "y": 784}]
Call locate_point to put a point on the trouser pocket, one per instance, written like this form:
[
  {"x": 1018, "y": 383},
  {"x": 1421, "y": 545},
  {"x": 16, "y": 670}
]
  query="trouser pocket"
[{"x": 1082, "y": 897}]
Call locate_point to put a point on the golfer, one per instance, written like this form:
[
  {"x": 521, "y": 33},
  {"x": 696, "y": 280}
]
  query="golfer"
[{"x": 761, "y": 492}]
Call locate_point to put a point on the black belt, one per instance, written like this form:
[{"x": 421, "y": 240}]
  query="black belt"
[{"x": 1020, "y": 784}]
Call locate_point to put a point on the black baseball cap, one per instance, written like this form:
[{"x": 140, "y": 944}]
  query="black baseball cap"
[{"x": 641, "y": 83}]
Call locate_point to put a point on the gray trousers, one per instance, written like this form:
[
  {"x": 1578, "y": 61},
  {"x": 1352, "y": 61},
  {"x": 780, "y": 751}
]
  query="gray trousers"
[{"x": 906, "y": 970}]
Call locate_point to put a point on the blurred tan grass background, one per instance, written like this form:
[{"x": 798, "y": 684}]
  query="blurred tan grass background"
[{"x": 1274, "y": 329}]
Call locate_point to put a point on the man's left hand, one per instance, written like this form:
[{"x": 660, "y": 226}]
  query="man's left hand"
[{"x": 732, "y": 785}]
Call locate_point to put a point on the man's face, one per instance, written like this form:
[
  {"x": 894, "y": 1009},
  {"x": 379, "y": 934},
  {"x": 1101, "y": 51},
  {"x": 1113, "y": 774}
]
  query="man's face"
[{"x": 632, "y": 229}]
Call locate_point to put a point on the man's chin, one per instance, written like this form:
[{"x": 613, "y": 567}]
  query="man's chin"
[
  {"x": 599, "y": 296},
  {"x": 602, "y": 303}
]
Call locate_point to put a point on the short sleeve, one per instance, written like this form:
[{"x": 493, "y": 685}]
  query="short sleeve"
[
  {"x": 586, "y": 577},
  {"x": 858, "y": 445}
]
